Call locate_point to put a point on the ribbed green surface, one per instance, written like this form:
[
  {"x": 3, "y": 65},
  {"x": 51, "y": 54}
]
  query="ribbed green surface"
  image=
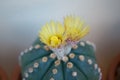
[{"x": 84, "y": 70}]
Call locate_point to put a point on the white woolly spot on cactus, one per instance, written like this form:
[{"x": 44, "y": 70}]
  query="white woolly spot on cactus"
[
  {"x": 88, "y": 42},
  {"x": 99, "y": 70},
  {"x": 30, "y": 48},
  {"x": 69, "y": 64},
  {"x": 30, "y": 70},
  {"x": 57, "y": 62},
  {"x": 65, "y": 58},
  {"x": 81, "y": 57},
  {"x": 74, "y": 74},
  {"x": 75, "y": 47},
  {"x": 54, "y": 71},
  {"x": 44, "y": 59},
  {"x": 36, "y": 65},
  {"x": 82, "y": 43},
  {"x": 53, "y": 55},
  {"x": 95, "y": 66},
  {"x": 37, "y": 46},
  {"x": 26, "y": 75},
  {"x": 72, "y": 55},
  {"x": 89, "y": 61}
]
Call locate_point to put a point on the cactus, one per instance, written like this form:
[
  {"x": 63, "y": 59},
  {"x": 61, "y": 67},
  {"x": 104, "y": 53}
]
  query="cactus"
[
  {"x": 58, "y": 54},
  {"x": 40, "y": 63}
]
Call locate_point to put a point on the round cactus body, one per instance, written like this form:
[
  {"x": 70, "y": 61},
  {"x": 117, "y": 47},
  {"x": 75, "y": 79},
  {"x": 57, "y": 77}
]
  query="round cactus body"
[{"x": 40, "y": 63}]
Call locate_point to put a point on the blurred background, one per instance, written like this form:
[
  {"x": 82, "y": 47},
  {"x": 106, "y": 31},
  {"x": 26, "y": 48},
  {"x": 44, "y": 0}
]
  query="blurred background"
[{"x": 20, "y": 21}]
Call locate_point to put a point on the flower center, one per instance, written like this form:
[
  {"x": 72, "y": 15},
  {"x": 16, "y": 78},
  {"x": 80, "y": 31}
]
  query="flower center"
[{"x": 55, "y": 41}]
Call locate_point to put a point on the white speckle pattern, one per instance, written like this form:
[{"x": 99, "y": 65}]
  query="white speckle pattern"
[
  {"x": 36, "y": 65},
  {"x": 82, "y": 44},
  {"x": 74, "y": 74},
  {"x": 81, "y": 57},
  {"x": 89, "y": 61},
  {"x": 30, "y": 70}
]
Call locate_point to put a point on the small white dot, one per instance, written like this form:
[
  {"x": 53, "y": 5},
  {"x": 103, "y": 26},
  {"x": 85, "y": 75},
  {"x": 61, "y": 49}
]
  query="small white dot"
[
  {"x": 89, "y": 61},
  {"x": 95, "y": 66},
  {"x": 72, "y": 55},
  {"x": 74, "y": 74},
  {"x": 54, "y": 71},
  {"x": 65, "y": 58},
  {"x": 69, "y": 65},
  {"x": 30, "y": 70},
  {"x": 44, "y": 59},
  {"x": 82, "y": 44},
  {"x": 26, "y": 75},
  {"x": 36, "y": 65},
  {"x": 81, "y": 57},
  {"x": 75, "y": 47},
  {"x": 53, "y": 55},
  {"x": 57, "y": 62},
  {"x": 30, "y": 48},
  {"x": 99, "y": 70},
  {"x": 88, "y": 42},
  {"x": 37, "y": 46}
]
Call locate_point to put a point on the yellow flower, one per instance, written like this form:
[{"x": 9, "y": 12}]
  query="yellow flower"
[
  {"x": 74, "y": 29},
  {"x": 52, "y": 34},
  {"x": 55, "y": 35}
]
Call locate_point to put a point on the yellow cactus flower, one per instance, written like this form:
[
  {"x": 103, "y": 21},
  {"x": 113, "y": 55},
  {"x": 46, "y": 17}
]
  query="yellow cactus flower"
[
  {"x": 52, "y": 34},
  {"x": 74, "y": 29}
]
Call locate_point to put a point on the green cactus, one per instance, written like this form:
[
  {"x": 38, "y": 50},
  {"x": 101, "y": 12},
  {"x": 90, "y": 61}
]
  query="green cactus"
[{"x": 40, "y": 63}]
